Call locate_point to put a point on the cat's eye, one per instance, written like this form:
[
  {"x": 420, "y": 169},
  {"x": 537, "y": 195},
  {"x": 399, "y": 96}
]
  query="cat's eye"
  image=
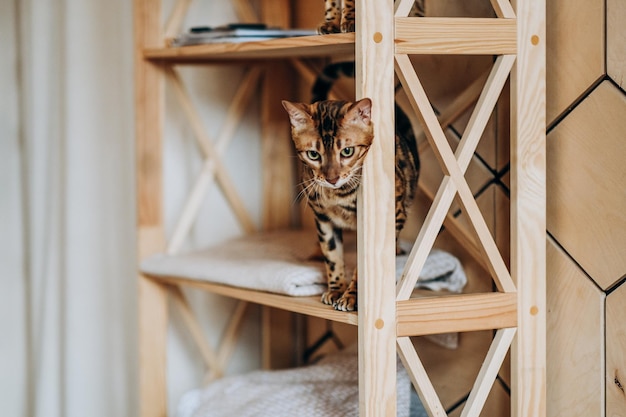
[
  {"x": 347, "y": 152},
  {"x": 313, "y": 155}
]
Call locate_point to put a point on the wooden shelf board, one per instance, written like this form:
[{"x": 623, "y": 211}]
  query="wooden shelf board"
[
  {"x": 311, "y": 306},
  {"x": 421, "y": 315},
  {"x": 301, "y": 46}
]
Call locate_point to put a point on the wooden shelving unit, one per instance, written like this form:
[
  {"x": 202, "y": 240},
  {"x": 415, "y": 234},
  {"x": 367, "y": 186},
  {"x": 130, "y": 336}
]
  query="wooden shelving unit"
[{"x": 388, "y": 315}]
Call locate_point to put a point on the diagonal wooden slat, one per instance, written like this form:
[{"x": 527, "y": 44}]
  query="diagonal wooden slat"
[
  {"x": 204, "y": 180},
  {"x": 503, "y": 9},
  {"x": 419, "y": 378},
  {"x": 403, "y": 7},
  {"x": 453, "y": 168},
  {"x": 226, "y": 348},
  {"x": 245, "y": 11},
  {"x": 175, "y": 20},
  {"x": 210, "y": 152},
  {"x": 488, "y": 372},
  {"x": 208, "y": 354}
]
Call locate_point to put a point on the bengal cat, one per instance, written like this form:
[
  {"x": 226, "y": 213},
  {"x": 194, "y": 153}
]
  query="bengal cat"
[
  {"x": 339, "y": 15},
  {"x": 332, "y": 139}
]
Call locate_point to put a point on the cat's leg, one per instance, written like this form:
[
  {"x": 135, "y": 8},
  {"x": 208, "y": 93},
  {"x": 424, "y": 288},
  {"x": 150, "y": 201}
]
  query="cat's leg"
[
  {"x": 332, "y": 18},
  {"x": 331, "y": 244},
  {"x": 401, "y": 206},
  {"x": 348, "y": 16},
  {"x": 348, "y": 300}
]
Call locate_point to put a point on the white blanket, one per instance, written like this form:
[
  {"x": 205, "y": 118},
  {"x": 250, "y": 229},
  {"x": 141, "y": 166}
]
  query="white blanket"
[
  {"x": 280, "y": 262},
  {"x": 326, "y": 389}
]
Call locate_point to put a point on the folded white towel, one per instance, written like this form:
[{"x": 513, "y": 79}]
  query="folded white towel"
[
  {"x": 280, "y": 262},
  {"x": 326, "y": 389}
]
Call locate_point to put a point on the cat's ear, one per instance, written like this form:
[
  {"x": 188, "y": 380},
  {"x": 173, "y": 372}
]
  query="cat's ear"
[
  {"x": 298, "y": 114},
  {"x": 360, "y": 112}
]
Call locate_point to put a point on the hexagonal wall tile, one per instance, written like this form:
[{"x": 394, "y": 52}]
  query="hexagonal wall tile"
[
  {"x": 615, "y": 41},
  {"x": 586, "y": 177},
  {"x": 575, "y": 332},
  {"x": 616, "y": 352},
  {"x": 575, "y": 51}
]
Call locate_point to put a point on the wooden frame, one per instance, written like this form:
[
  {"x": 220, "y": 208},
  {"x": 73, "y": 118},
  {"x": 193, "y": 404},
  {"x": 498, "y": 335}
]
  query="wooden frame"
[{"x": 384, "y": 38}]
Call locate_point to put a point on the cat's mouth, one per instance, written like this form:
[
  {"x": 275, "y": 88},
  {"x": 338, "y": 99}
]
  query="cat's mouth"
[{"x": 334, "y": 184}]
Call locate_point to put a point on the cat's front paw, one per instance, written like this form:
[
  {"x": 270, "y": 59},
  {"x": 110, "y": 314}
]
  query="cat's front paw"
[
  {"x": 347, "y": 27},
  {"x": 330, "y": 297},
  {"x": 347, "y": 302},
  {"x": 328, "y": 27}
]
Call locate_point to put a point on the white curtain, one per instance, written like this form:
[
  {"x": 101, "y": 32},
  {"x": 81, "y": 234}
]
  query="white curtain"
[
  {"x": 68, "y": 311},
  {"x": 67, "y": 241}
]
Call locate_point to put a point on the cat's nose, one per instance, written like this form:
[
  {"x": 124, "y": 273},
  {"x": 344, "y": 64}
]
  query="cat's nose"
[{"x": 333, "y": 181}]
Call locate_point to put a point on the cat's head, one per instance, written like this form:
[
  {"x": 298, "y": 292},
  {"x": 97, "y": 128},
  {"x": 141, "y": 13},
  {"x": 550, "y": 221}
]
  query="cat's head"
[{"x": 332, "y": 138}]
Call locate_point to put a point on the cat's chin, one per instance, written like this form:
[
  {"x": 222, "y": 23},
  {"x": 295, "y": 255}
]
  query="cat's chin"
[{"x": 336, "y": 186}]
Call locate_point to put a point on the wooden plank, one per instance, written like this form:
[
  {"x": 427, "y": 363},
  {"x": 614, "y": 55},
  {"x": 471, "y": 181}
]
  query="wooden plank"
[
  {"x": 453, "y": 168},
  {"x": 206, "y": 351},
  {"x": 152, "y": 296},
  {"x": 422, "y": 384},
  {"x": 302, "y": 46},
  {"x": 615, "y": 41},
  {"x": 576, "y": 51},
  {"x": 488, "y": 372},
  {"x": 278, "y": 181},
  {"x": 455, "y": 36},
  {"x": 575, "y": 343},
  {"x": 456, "y": 313},
  {"x": 616, "y": 352},
  {"x": 207, "y": 174},
  {"x": 503, "y": 9},
  {"x": 175, "y": 20},
  {"x": 586, "y": 154},
  {"x": 153, "y": 321},
  {"x": 528, "y": 206},
  {"x": 304, "y": 305},
  {"x": 209, "y": 151},
  {"x": 376, "y": 219}
]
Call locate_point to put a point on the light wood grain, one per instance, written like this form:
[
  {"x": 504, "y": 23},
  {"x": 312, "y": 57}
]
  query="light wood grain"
[
  {"x": 191, "y": 322},
  {"x": 586, "y": 173},
  {"x": 376, "y": 218},
  {"x": 422, "y": 384},
  {"x": 207, "y": 174},
  {"x": 528, "y": 206},
  {"x": 303, "y": 305},
  {"x": 454, "y": 168},
  {"x": 455, "y": 36},
  {"x": 153, "y": 317},
  {"x": 503, "y": 8},
  {"x": 456, "y": 313},
  {"x": 575, "y": 339},
  {"x": 488, "y": 372},
  {"x": 302, "y": 46},
  {"x": 152, "y": 297},
  {"x": 208, "y": 148},
  {"x": 616, "y": 352},
  {"x": 175, "y": 20},
  {"x": 245, "y": 12},
  {"x": 615, "y": 41},
  {"x": 576, "y": 55}
]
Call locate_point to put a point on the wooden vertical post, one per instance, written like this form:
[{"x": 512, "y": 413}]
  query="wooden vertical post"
[
  {"x": 376, "y": 213},
  {"x": 279, "y": 343},
  {"x": 152, "y": 296},
  {"x": 528, "y": 206}
]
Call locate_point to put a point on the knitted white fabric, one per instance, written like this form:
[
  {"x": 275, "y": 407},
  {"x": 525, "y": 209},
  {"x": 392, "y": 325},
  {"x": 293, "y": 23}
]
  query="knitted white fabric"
[
  {"x": 326, "y": 389},
  {"x": 280, "y": 262}
]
